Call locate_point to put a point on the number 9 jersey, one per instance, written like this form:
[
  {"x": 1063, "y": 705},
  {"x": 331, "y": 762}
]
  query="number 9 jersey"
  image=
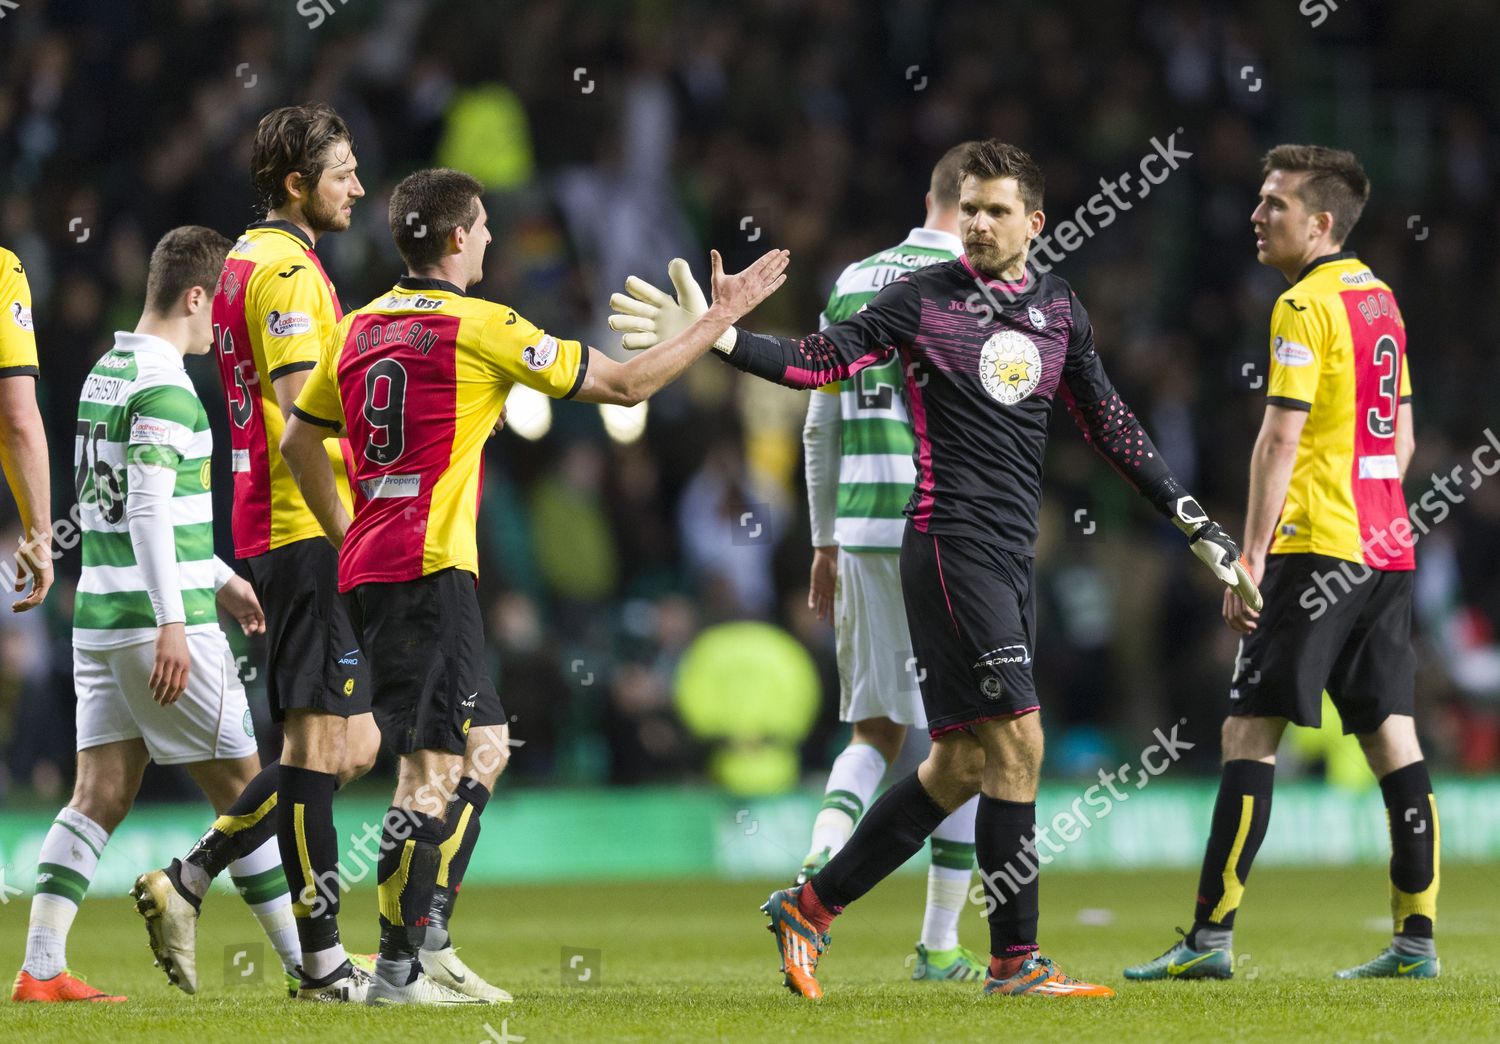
[
  {"x": 417, "y": 379},
  {"x": 273, "y": 309},
  {"x": 1338, "y": 350}
]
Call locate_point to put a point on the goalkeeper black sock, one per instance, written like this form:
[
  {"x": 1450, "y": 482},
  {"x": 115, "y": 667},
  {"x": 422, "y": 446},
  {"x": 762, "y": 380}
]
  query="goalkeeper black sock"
[
  {"x": 309, "y": 857},
  {"x": 1241, "y": 815},
  {"x": 407, "y": 874},
  {"x": 891, "y": 832},
  {"x": 462, "y": 825},
  {"x": 247, "y": 824},
  {"x": 1411, "y": 811},
  {"x": 1004, "y": 841}
]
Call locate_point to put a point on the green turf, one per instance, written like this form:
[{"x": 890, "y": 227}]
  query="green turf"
[{"x": 692, "y": 962}]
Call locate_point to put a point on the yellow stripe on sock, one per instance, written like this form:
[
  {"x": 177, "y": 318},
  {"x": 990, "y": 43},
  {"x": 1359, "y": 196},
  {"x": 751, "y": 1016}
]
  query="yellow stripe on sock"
[
  {"x": 1234, "y": 888},
  {"x": 302, "y": 901},
  {"x": 389, "y": 890},
  {"x": 234, "y": 824},
  {"x": 1423, "y": 903},
  {"x": 449, "y": 848}
]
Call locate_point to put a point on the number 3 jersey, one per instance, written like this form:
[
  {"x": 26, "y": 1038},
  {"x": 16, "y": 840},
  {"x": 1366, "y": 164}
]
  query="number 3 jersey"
[
  {"x": 1338, "y": 350},
  {"x": 272, "y": 311},
  {"x": 138, "y": 412},
  {"x": 416, "y": 379}
]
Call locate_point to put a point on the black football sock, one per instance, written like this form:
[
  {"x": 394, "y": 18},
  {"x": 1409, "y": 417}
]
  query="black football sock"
[
  {"x": 309, "y": 857},
  {"x": 1004, "y": 841},
  {"x": 462, "y": 825},
  {"x": 247, "y": 824},
  {"x": 1412, "y": 813},
  {"x": 407, "y": 874},
  {"x": 891, "y": 832},
  {"x": 1241, "y": 814}
]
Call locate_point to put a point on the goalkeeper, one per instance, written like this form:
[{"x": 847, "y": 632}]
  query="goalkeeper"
[{"x": 986, "y": 344}]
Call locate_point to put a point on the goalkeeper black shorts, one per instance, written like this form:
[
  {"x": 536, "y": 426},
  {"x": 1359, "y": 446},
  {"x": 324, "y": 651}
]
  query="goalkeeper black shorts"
[
  {"x": 1334, "y": 625},
  {"x": 970, "y": 607}
]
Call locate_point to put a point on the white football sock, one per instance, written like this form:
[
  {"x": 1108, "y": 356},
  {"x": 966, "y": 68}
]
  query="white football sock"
[
  {"x": 948, "y": 877},
  {"x": 851, "y": 783},
  {"x": 262, "y": 884},
  {"x": 70, "y": 854}
]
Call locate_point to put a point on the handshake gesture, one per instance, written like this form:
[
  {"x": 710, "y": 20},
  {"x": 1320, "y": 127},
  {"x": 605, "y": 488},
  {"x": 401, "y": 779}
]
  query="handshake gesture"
[{"x": 646, "y": 316}]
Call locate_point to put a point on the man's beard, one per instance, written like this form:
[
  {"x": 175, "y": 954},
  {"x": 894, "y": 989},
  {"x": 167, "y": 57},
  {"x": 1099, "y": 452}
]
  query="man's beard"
[
  {"x": 323, "y": 216},
  {"x": 984, "y": 261}
]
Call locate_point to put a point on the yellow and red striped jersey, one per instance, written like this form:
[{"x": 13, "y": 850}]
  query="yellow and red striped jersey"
[
  {"x": 17, "y": 340},
  {"x": 272, "y": 310},
  {"x": 1338, "y": 350},
  {"x": 417, "y": 379}
]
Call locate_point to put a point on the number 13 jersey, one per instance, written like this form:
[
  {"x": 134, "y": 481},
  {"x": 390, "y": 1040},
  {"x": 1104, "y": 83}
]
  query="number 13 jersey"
[
  {"x": 417, "y": 379},
  {"x": 1338, "y": 350}
]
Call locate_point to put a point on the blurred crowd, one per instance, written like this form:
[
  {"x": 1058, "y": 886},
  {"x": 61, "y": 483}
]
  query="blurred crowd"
[{"x": 613, "y": 136}]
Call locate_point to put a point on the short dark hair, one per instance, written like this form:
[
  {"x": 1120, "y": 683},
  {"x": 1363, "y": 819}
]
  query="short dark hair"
[
  {"x": 993, "y": 158},
  {"x": 425, "y": 209},
  {"x": 946, "y": 175},
  {"x": 185, "y": 257},
  {"x": 1335, "y": 182},
  {"x": 293, "y": 140}
]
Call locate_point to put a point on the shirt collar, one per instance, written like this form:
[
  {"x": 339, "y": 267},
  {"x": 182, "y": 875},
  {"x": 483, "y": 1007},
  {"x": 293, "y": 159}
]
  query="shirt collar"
[
  {"x": 129, "y": 341},
  {"x": 936, "y": 239},
  {"x": 410, "y": 282},
  {"x": 288, "y": 227},
  {"x": 1342, "y": 255}
]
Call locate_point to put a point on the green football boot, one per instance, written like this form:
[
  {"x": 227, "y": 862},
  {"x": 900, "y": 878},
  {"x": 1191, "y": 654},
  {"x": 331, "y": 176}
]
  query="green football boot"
[
  {"x": 814, "y": 862},
  {"x": 954, "y": 965},
  {"x": 1392, "y": 965},
  {"x": 1181, "y": 961}
]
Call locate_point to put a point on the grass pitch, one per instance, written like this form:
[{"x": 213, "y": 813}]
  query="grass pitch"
[{"x": 693, "y": 961}]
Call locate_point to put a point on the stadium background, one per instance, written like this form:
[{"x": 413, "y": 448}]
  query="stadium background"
[{"x": 613, "y": 136}]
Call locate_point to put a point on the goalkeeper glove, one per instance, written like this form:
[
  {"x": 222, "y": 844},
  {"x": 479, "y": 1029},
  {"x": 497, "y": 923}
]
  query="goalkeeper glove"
[
  {"x": 1213, "y": 546},
  {"x": 646, "y": 316}
]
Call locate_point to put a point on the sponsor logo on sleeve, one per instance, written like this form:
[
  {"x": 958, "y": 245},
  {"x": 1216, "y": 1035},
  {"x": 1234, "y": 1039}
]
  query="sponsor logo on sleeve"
[
  {"x": 149, "y": 431},
  {"x": 541, "y": 355},
  {"x": 21, "y": 315},
  {"x": 288, "y": 324},
  {"x": 1290, "y": 353}
]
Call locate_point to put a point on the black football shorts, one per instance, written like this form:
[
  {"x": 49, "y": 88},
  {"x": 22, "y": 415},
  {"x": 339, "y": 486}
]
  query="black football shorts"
[
  {"x": 426, "y": 649},
  {"x": 1334, "y": 625},
  {"x": 314, "y": 658},
  {"x": 971, "y": 612}
]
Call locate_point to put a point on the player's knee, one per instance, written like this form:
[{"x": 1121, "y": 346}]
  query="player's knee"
[
  {"x": 488, "y": 755},
  {"x": 103, "y": 805},
  {"x": 886, "y": 736},
  {"x": 360, "y": 753},
  {"x": 1246, "y": 738}
]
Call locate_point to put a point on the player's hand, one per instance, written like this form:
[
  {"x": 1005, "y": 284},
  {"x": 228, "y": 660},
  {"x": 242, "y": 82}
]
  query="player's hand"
[
  {"x": 499, "y": 424},
  {"x": 741, "y": 293},
  {"x": 34, "y": 566},
  {"x": 825, "y": 574},
  {"x": 237, "y": 598},
  {"x": 169, "y": 676},
  {"x": 1216, "y": 550},
  {"x": 646, "y": 316},
  {"x": 1237, "y": 614}
]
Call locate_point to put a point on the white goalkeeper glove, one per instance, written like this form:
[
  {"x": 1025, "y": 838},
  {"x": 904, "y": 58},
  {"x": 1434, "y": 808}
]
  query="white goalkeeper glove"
[
  {"x": 1216, "y": 550},
  {"x": 646, "y": 316}
]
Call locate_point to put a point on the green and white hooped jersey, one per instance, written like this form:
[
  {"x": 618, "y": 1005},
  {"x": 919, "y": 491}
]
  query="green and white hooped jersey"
[
  {"x": 876, "y": 469},
  {"x": 139, "y": 406}
]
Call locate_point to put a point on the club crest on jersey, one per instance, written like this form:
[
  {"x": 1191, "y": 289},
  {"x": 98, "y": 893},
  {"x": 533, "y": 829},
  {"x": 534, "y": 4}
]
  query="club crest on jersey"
[
  {"x": 539, "y": 356},
  {"x": 1038, "y": 320},
  {"x": 1010, "y": 367},
  {"x": 287, "y": 324}
]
